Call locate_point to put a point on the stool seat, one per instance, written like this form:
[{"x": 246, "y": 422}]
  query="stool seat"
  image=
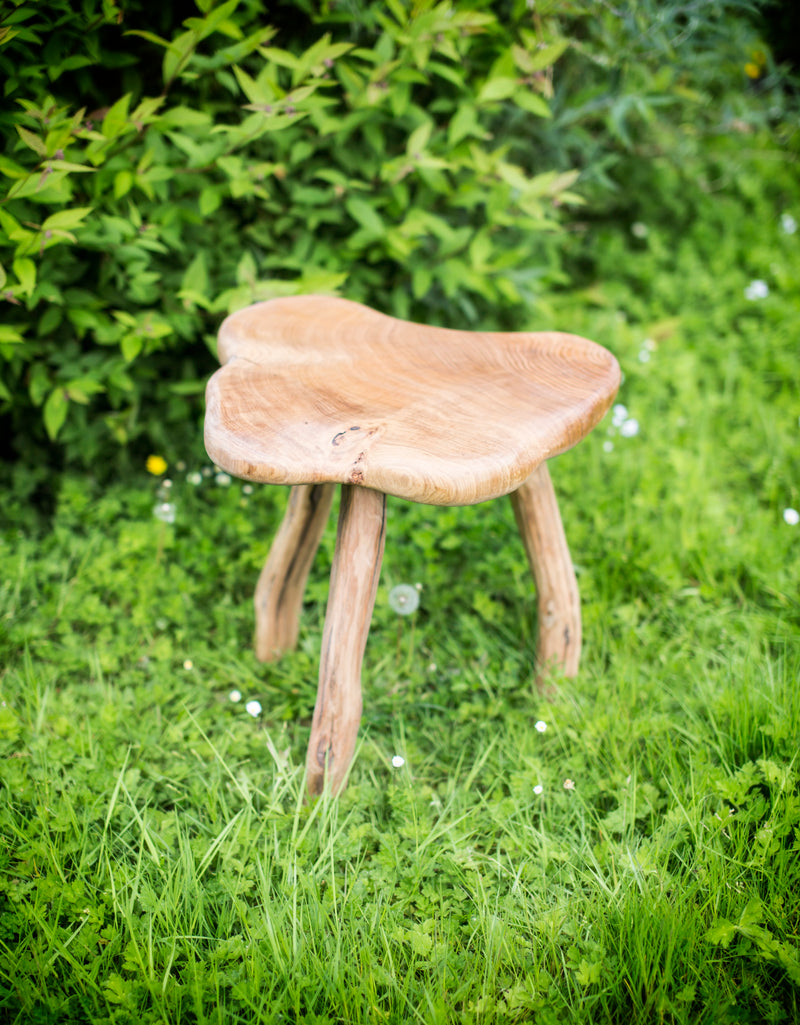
[
  {"x": 317, "y": 392},
  {"x": 318, "y": 389}
]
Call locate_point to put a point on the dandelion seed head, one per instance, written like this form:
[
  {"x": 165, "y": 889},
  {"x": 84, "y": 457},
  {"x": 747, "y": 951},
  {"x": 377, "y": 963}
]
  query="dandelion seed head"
[
  {"x": 404, "y": 599},
  {"x": 165, "y": 511}
]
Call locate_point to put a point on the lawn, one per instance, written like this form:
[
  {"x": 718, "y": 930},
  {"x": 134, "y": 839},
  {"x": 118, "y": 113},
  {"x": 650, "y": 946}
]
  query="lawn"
[{"x": 624, "y": 850}]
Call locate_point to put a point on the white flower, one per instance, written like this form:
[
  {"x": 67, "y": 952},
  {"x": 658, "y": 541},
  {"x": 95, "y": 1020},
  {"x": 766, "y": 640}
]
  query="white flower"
[
  {"x": 639, "y": 230},
  {"x": 608, "y": 446},
  {"x": 165, "y": 511},
  {"x": 791, "y": 516},
  {"x": 540, "y": 726},
  {"x": 538, "y": 789},
  {"x": 398, "y": 761},
  {"x": 569, "y": 784},
  {"x": 247, "y": 489},
  {"x": 404, "y": 599},
  {"x": 235, "y": 696},
  {"x": 757, "y": 289},
  {"x": 223, "y": 479},
  {"x": 789, "y": 224},
  {"x": 630, "y": 428},
  {"x": 188, "y": 664},
  {"x": 195, "y": 477},
  {"x": 253, "y": 708},
  {"x": 644, "y": 355}
]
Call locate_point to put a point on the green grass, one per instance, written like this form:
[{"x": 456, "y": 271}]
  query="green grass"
[{"x": 158, "y": 862}]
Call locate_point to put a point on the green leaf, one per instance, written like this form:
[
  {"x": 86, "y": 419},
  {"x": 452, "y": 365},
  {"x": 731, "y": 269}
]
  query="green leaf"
[
  {"x": 463, "y": 123},
  {"x": 116, "y": 118},
  {"x": 532, "y": 102},
  {"x": 55, "y": 412},
  {"x": 721, "y": 932},
  {"x": 25, "y": 271},
  {"x": 497, "y": 89},
  {"x": 131, "y": 345},
  {"x": 547, "y": 56},
  {"x": 10, "y": 335},
  {"x": 365, "y": 214},
  {"x": 32, "y": 141},
  {"x": 418, "y": 139},
  {"x": 66, "y": 219}
]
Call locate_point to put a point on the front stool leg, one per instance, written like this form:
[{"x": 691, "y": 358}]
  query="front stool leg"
[
  {"x": 539, "y": 523},
  {"x": 279, "y": 592},
  {"x": 354, "y": 584}
]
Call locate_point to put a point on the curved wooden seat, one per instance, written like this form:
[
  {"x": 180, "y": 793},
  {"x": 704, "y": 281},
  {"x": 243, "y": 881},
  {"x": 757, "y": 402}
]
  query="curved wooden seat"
[{"x": 317, "y": 391}]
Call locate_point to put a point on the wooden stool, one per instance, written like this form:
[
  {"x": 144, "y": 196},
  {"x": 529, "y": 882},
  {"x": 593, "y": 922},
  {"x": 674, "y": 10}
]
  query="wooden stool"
[{"x": 316, "y": 391}]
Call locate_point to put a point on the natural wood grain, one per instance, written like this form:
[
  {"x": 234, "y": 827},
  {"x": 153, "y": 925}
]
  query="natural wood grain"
[
  {"x": 559, "y": 611},
  {"x": 279, "y": 592},
  {"x": 354, "y": 583},
  {"x": 318, "y": 389}
]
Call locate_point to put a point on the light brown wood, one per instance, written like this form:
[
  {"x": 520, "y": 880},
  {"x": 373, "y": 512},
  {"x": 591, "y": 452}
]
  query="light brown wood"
[
  {"x": 559, "y": 611},
  {"x": 354, "y": 584},
  {"x": 279, "y": 592},
  {"x": 318, "y": 389}
]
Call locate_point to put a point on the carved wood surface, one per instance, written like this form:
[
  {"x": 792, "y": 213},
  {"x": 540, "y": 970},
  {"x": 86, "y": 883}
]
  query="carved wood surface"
[
  {"x": 351, "y": 599},
  {"x": 558, "y": 600},
  {"x": 279, "y": 592},
  {"x": 318, "y": 389}
]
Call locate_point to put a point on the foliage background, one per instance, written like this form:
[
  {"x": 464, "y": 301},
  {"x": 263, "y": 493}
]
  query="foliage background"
[{"x": 162, "y": 169}]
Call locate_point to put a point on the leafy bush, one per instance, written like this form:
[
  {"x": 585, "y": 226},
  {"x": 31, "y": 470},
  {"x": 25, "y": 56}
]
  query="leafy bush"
[
  {"x": 159, "y": 171},
  {"x": 250, "y": 170}
]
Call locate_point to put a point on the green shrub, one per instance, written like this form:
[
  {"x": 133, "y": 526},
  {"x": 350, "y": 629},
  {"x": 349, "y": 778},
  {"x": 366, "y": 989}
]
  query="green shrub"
[
  {"x": 254, "y": 166},
  {"x": 159, "y": 171}
]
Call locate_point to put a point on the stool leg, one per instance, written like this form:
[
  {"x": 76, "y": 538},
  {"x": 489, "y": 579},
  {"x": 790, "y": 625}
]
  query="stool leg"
[
  {"x": 539, "y": 522},
  {"x": 279, "y": 592},
  {"x": 354, "y": 583}
]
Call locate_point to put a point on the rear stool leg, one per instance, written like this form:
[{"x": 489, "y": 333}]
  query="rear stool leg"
[
  {"x": 354, "y": 584},
  {"x": 539, "y": 523},
  {"x": 279, "y": 592}
]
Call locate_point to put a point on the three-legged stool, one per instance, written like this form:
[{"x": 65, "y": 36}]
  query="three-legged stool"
[{"x": 317, "y": 391}]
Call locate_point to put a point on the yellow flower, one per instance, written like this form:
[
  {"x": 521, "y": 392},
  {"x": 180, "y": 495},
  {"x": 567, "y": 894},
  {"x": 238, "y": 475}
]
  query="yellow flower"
[
  {"x": 156, "y": 465},
  {"x": 752, "y": 70}
]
